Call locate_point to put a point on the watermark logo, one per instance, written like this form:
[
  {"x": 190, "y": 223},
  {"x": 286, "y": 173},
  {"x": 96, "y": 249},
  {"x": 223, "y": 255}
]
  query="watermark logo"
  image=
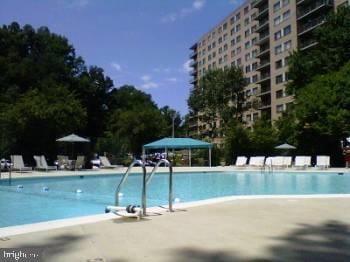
[{"x": 20, "y": 254}]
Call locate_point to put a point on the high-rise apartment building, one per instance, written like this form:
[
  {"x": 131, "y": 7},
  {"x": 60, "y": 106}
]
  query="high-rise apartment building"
[{"x": 259, "y": 36}]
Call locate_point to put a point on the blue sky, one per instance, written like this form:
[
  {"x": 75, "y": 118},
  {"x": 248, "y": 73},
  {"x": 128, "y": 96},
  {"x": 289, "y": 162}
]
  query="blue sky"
[{"x": 139, "y": 42}]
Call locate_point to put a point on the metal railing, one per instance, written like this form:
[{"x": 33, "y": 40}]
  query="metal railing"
[
  {"x": 149, "y": 178},
  {"x": 125, "y": 176}
]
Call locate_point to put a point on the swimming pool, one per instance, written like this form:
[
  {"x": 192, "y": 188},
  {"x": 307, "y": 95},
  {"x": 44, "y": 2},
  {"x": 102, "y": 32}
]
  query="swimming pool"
[{"x": 30, "y": 200}]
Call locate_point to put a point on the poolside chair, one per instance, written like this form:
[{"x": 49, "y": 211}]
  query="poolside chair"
[
  {"x": 277, "y": 161},
  {"x": 241, "y": 161},
  {"x": 302, "y": 161},
  {"x": 322, "y": 162},
  {"x": 287, "y": 161},
  {"x": 79, "y": 163},
  {"x": 63, "y": 162},
  {"x": 257, "y": 161},
  {"x": 106, "y": 164},
  {"x": 18, "y": 164},
  {"x": 41, "y": 163}
]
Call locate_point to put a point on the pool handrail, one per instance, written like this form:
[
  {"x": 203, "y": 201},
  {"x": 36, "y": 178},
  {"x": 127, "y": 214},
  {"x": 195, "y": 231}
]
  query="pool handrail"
[
  {"x": 125, "y": 176},
  {"x": 149, "y": 178}
]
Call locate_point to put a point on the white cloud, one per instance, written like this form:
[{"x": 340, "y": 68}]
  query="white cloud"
[
  {"x": 198, "y": 4},
  {"x": 149, "y": 85},
  {"x": 145, "y": 78},
  {"x": 116, "y": 66},
  {"x": 171, "y": 79},
  {"x": 172, "y": 17},
  {"x": 186, "y": 67}
]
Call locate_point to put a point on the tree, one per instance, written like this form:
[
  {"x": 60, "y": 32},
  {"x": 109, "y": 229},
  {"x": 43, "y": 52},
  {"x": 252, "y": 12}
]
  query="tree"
[
  {"x": 219, "y": 96},
  {"x": 168, "y": 115},
  {"x": 331, "y": 53},
  {"x": 263, "y": 138}
]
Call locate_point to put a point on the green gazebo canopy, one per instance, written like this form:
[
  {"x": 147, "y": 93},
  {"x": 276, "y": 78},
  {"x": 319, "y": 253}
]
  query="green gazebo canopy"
[{"x": 177, "y": 143}]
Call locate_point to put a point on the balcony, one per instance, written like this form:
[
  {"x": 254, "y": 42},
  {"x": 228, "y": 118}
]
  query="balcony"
[
  {"x": 309, "y": 26},
  {"x": 262, "y": 25},
  {"x": 263, "y": 53},
  {"x": 264, "y": 77},
  {"x": 262, "y": 13},
  {"x": 263, "y": 65},
  {"x": 315, "y": 6},
  {"x": 265, "y": 106},
  {"x": 307, "y": 44},
  {"x": 263, "y": 38},
  {"x": 258, "y": 3},
  {"x": 193, "y": 54}
]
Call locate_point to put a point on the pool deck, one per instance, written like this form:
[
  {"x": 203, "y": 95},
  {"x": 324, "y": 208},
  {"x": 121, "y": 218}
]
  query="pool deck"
[{"x": 289, "y": 229}]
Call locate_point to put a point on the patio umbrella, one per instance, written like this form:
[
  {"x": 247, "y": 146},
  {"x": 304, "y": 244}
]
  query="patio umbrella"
[
  {"x": 285, "y": 146},
  {"x": 73, "y": 138}
]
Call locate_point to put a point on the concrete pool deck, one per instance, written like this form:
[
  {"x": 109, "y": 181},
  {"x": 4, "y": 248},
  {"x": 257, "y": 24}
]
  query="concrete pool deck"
[{"x": 289, "y": 229}]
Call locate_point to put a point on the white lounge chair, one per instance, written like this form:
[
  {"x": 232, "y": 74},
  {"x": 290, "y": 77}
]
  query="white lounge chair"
[
  {"x": 277, "y": 161},
  {"x": 287, "y": 161},
  {"x": 302, "y": 161},
  {"x": 322, "y": 161},
  {"x": 257, "y": 161},
  {"x": 41, "y": 163},
  {"x": 18, "y": 164},
  {"x": 241, "y": 161},
  {"x": 106, "y": 164}
]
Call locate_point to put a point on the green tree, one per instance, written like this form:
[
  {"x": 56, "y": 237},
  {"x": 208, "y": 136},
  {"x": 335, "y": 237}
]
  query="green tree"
[
  {"x": 331, "y": 53},
  {"x": 263, "y": 138}
]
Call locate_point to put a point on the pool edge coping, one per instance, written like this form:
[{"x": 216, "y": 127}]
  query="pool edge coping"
[{"x": 82, "y": 220}]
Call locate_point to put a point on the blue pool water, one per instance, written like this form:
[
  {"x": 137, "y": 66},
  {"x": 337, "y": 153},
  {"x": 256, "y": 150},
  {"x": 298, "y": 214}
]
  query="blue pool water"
[{"x": 32, "y": 203}]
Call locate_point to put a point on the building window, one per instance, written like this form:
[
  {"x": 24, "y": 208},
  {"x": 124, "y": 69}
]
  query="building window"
[
  {"x": 247, "y": 57},
  {"x": 248, "y": 118},
  {"x": 246, "y": 10},
  {"x": 247, "y": 69},
  {"x": 279, "y": 79},
  {"x": 214, "y": 54},
  {"x": 238, "y": 39},
  {"x": 277, "y": 20},
  {"x": 213, "y": 44},
  {"x": 225, "y": 37},
  {"x": 287, "y": 30},
  {"x": 233, "y": 53},
  {"x": 232, "y": 20},
  {"x": 278, "y": 49},
  {"x": 238, "y": 27},
  {"x": 255, "y": 78},
  {"x": 286, "y": 15},
  {"x": 279, "y": 64},
  {"x": 225, "y": 47},
  {"x": 255, "y": 116},
  {"x": 253, "y": 28},
  {"x": 285, "y": 2},
  {"x": 233, "y": 42},
  {"x": 278, "y": 35},
  {"x": 224, "y": 26},
  {"x": 220, "y": 60},
  {"x": 279, "y": 93},
  {"x": 254, "y": 53},
  {"x": 238, "y": 50},
  {"x": 254, "y": 66},
  {"x": 239, "y": 61},
  {"x": 246, "y": 21},
  {"x": 225, "y": 58},
  {"x": 255, "y": 91},
  {"x": 220, "y": 50},
  {"x": 220, "y": 40},
  {"x": 247, "y": 33},
  {"x": 232, "y": 31},
  {"x": 277, "y": 6},
  {"x": 247, "y": 45},
  {"x": 279, "y": 108},
  {"x": 254, "y": 41},
  {"x": 238, "y": 16},
  {"x": 287, "y": 45}
]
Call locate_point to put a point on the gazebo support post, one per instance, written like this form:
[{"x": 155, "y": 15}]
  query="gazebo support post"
[
  {"x": 209, "y": 156},
  {"x": 189, "y": 157},
  {"x": 143, "y": 155}
]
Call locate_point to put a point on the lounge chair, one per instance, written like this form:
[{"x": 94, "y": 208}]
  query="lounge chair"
[
  {"x": 63, "y": 162},
  {"x": 322, "y": 161},
  {"x": 241, "y": 161},
  {"x": 18, "y": 164},
  {"x": 79, "y": 163},
  {"x": 41, "y": 163},
  {"x": 287, "y": 161},
  {"x": 277, "y": 161},
  {"x": 302, "y": 161},
  {"x": 106, "y": 164},
  {"x": 257, "y": 161}
]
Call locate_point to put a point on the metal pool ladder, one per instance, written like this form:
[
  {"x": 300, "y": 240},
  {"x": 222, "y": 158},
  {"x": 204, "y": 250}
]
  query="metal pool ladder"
[
  {"x": 149, "y": 178},
  {"x": 125, "y": 176}
]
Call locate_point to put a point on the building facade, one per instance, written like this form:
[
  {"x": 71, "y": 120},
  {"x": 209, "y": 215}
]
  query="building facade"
[{"x": 259, "y": 37}]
